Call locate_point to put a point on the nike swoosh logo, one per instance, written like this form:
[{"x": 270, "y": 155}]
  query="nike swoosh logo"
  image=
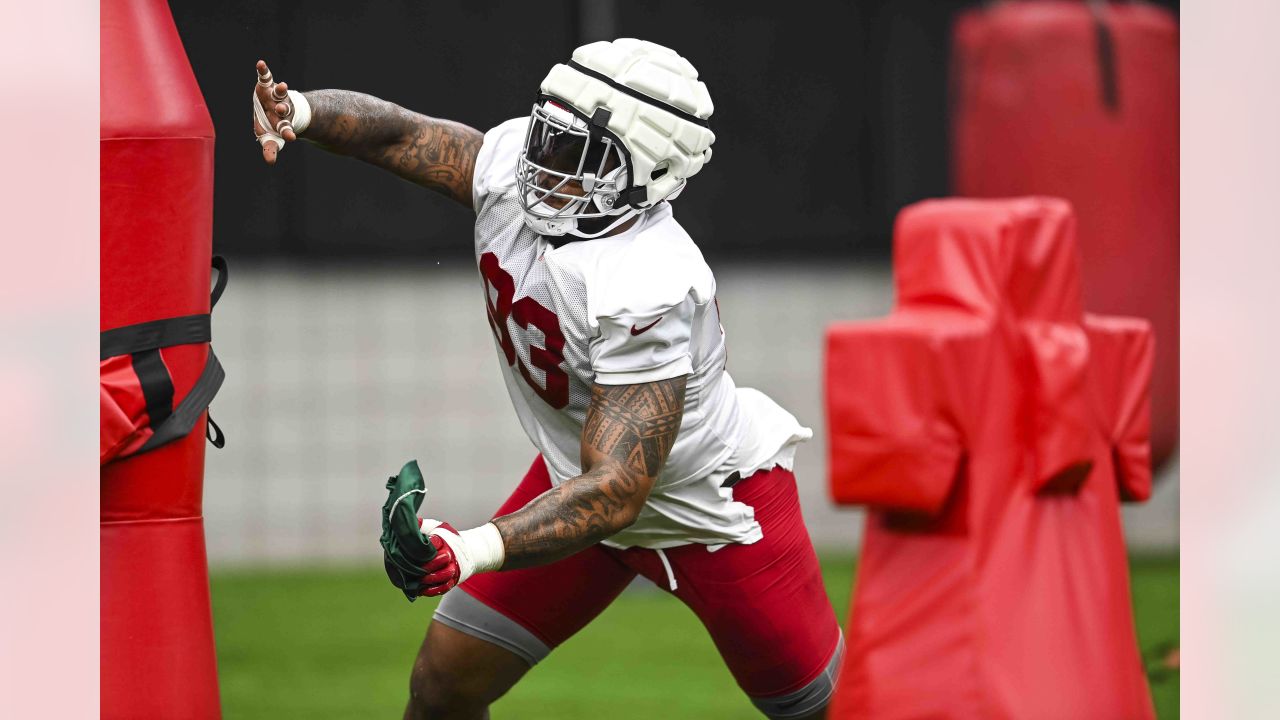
[{"x": 637, "y": 331}]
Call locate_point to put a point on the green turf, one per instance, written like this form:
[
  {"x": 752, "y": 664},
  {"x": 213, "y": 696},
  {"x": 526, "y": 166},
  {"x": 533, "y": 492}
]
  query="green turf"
[{"x": 338, "y": 643}]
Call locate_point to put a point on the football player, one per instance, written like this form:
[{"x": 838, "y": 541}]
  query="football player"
[{"x": 604, "y": 316}]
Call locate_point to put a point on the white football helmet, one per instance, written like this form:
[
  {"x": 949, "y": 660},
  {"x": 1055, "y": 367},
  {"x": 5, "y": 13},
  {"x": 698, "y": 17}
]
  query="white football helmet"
[{"x": 614, "y": 132}]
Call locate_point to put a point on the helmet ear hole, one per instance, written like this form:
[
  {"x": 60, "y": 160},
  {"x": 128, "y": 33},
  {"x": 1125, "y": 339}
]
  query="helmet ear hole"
[{"x": 659, "y": 171}]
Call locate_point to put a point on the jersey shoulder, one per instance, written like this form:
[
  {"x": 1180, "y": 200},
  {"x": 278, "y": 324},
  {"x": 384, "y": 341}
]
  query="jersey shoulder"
[
  {"x": 641, "y": 273},
  {"x": 496, "y": 161}
]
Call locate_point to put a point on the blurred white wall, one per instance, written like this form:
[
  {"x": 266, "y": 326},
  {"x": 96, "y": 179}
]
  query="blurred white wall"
[{"x": 336, "y": 377}]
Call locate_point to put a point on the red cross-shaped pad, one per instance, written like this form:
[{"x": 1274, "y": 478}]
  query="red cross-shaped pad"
[
  {"x": 992, "y": 428},
  {"x": 987, "y": 348}
]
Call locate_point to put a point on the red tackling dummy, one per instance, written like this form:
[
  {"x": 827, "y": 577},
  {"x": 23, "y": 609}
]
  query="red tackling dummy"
[
  {"x": 157, "y": 207},
  {"x": 992, "y": 428},
  {"x": 1080, "y": 101}
]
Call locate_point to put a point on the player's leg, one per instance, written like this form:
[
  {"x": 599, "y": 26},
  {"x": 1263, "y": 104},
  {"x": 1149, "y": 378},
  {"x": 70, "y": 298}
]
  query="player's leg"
[
  {"x": 490, "y": 630},
  {"x": 457, "y": 675},
  {"x": 764, "y": 604}
]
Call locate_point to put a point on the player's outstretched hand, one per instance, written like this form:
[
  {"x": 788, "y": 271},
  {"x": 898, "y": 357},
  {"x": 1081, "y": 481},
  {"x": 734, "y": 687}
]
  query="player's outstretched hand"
[{"x": 273, "y": 114}]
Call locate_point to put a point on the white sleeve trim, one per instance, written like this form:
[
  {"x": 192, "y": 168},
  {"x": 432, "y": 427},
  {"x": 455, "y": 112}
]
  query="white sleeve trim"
[
  {"x": 496, "y": 160},
  {"x": 674, "y": 368},
  {"x": 479, "y": 174}
]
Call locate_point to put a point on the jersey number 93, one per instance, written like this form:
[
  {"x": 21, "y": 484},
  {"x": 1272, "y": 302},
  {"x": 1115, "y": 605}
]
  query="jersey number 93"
[{"x": 499, "y": 292}]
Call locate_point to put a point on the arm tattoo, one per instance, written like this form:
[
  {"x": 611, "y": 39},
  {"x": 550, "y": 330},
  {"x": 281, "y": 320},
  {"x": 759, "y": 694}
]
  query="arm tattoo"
[
  {"x": 437, "y": 154},
  {"x": 629, "y": 431}
]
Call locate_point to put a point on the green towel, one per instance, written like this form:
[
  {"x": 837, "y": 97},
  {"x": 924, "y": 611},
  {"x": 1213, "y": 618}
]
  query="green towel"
[{"x": 405, "y": 548}]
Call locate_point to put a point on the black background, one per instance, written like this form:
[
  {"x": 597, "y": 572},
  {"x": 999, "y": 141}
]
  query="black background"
[{"x": 830, "y": 116}]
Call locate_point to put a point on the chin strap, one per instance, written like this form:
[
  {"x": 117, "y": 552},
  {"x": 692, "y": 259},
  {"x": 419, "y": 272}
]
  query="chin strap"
[
  {"x": 624, "y": 217},
  {"x": 560, "y": 227}
]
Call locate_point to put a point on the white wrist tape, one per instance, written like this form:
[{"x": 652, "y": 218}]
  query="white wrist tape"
[
  {"x": 486, "y": 546},
  {"x": 477, "y": 550},
  {"x": 301, "y": 118}
]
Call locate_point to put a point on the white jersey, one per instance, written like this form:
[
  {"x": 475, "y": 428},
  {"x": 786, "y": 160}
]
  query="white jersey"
[{"x": 631, "y": 308}]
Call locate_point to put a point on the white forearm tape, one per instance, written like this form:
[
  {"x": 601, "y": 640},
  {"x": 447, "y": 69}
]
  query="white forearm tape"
[
  {"x": 485, "y": 546},
  {"x": 476, "y": 550}
]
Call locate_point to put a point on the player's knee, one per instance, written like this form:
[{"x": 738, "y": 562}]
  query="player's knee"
[{"x": 437, "y": 691}]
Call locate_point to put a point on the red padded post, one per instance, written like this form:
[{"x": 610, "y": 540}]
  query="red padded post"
[
  {"x": 992, "y": 428},
  {"x": 157, "y": 139},
  {"x": 1055, "y": 98}
]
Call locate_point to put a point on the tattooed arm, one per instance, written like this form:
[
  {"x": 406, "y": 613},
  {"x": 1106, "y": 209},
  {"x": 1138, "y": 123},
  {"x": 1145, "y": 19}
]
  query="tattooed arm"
[
  {"x": 629, "y": 432},
  {"x": 437, "y": 154}
]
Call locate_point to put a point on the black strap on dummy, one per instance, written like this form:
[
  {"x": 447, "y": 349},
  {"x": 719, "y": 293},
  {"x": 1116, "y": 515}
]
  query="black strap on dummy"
[
  {"x": 184, "y": 416},
  {"x": 143, "y": 341},
  {"x": 1108, "y": 82},
  {"x": 188, "y": 329},
  {"x": 157, "y": 386}
]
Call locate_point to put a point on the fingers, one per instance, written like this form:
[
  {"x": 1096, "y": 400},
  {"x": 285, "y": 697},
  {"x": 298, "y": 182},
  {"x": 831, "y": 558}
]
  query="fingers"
[
  {"x": 442, "y": 574},
  {"x": 264, "y": 73},
  {"x": 441, "y": 577},
  {"x": 438, "y": 564},
  {"x": 269, "y": 90},
  {"x": 443, "y": 558},
  {"x": 285, "y": 130},
  {"x": 271, "y": 96},
  {"x": 442, "y": 571},
  {"x": 283, "y": 127},
  {"x": 269, "y": 151},
  {"x": 434, "y": 590},
  {"x": 270, "y": 143}
]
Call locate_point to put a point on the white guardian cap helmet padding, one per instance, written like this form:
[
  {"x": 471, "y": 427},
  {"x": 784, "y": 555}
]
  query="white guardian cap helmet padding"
[{"x": 617, "y": 130}]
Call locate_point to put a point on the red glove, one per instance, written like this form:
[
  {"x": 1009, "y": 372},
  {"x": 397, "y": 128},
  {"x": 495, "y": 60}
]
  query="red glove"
[
  {"x": 442, "y": 572},
  {"x": 459, "y": 555}
]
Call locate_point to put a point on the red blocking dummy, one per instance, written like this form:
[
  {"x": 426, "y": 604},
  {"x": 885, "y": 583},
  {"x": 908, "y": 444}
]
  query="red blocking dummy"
[
  {"x": 157, "y": 207},
  {"x": 991, "y": 428},
  {"x": 1053, "y": 98}
]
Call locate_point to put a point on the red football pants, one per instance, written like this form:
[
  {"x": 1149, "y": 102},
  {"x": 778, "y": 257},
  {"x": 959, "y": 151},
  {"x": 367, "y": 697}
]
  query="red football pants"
[{"x": 764, "y": 604}]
